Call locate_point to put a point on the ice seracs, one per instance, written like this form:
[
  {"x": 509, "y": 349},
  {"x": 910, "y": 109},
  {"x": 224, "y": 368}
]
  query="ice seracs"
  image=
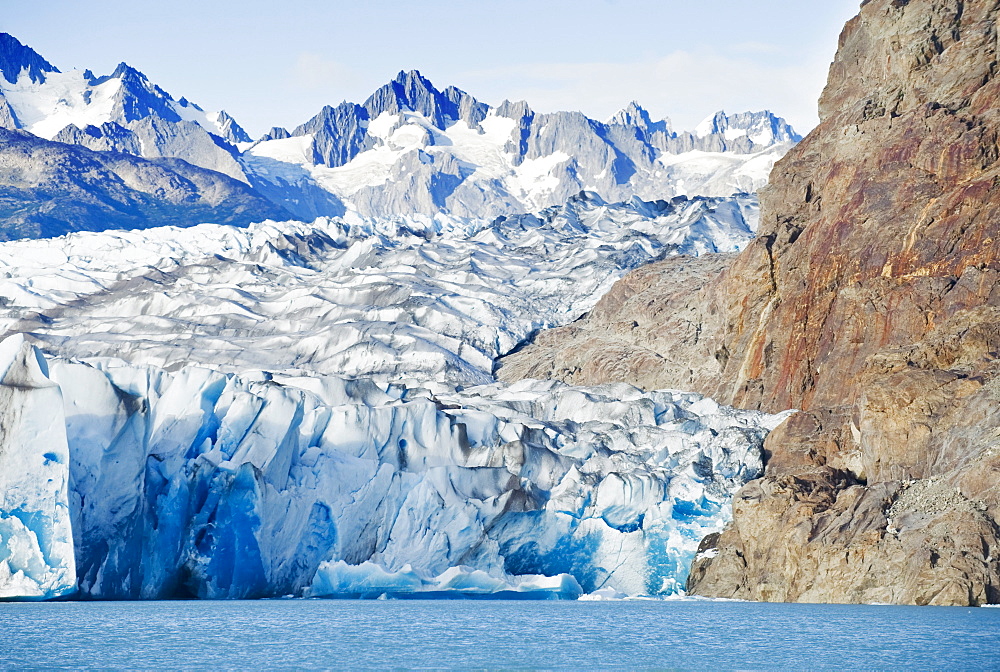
[
  {"x": 431, "y": 301},
  {"x": 36, "y": 537},
  {"x": 196, "y": 483}
]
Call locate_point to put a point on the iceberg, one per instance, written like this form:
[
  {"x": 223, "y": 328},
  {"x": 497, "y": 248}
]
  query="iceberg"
[{"x": 369, "y": 580}]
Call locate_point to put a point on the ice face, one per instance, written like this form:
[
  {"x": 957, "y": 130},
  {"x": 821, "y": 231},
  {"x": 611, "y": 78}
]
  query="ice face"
[
  {"x": 204, "y": 484},
  {"x": 36, "y": 543}
]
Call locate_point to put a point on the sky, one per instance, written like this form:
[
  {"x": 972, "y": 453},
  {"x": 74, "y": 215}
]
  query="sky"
[{"x": 276, "y": 64}]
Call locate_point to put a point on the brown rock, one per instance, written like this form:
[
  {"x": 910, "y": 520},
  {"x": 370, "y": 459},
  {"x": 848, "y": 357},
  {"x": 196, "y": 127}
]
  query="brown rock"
[
  {"x": 870, "y": 299},
  {"x": 647, "y": 330}
]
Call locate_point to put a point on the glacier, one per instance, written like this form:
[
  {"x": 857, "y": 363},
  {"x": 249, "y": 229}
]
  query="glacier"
[
  {"x": 308, "y": 409},
  {"x": 433, "y": 301}
]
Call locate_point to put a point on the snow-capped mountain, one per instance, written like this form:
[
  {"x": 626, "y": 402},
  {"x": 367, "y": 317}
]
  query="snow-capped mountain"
[
  {"x": 410, "y": 148},
  {"x": 122, "y": 112},
  {"x": 51, "y": 188}
]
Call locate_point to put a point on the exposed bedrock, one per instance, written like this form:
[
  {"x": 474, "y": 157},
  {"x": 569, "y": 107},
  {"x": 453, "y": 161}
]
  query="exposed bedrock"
[{"x": 870, "y": 300}]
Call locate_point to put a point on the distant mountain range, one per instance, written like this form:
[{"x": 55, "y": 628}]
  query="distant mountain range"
[{"x": 409, "y": 149}]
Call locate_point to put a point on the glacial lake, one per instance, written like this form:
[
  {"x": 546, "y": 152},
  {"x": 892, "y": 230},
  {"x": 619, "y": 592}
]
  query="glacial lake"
[{"x": 410, "y": 634}]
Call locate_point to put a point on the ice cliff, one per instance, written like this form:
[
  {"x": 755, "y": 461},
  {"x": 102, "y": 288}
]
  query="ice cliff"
[
  {"x": 197, "y": 483},
  {"x": 36, "y": 543}
]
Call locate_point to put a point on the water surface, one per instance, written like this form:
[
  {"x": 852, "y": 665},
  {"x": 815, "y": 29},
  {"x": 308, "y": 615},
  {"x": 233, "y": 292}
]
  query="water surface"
[{"x": 494, "y": 634}]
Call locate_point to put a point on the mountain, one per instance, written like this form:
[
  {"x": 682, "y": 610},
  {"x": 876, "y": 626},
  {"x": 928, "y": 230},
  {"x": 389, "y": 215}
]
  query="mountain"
[
  {"x": 413, "y": 149},
  {"x": 868, "y": 300},
  {"x": 122, "y": 111},
  {"x": 50, "y": 188},
  {"x": 410, "y": 148}
]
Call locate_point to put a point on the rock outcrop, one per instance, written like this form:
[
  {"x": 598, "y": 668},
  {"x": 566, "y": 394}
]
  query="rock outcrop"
[{"x": 871, "y": 300}]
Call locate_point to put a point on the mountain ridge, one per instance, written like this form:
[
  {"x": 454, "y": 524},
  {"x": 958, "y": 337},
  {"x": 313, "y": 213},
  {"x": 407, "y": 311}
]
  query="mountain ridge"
[{"x": 409, "y": 148}]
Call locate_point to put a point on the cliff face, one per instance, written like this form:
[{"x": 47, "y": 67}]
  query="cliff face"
[{"x": 871, "y": 300}]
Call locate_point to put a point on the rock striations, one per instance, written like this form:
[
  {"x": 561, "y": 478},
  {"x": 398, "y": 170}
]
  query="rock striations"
[{"x": 871, "y": 300}]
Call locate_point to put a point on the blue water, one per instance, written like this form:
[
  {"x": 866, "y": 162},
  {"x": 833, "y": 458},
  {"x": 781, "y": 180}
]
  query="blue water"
[{"x": 490, "y": 635}]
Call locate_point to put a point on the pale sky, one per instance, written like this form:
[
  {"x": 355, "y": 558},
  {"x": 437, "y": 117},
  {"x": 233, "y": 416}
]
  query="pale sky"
[{"x": 277, "y": 63}]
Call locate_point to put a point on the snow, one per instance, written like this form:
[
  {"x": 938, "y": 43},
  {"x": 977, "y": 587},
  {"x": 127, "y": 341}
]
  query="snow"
[
  {"x": 483, "y": 149},
  {"x": 64, "y": 98},
  {"x": 191, "y": 112},
  {"x": 383, "y": 125},
  {"x": 368, "y": 169},
  {"x": 296, "y": 150},
  {"x": 697, "y": 171},
  {"x": 534, "y": 178}
]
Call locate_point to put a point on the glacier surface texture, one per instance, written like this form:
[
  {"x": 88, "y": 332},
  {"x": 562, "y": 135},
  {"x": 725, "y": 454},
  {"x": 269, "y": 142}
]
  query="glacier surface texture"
[{"x": 309, "y": 409}]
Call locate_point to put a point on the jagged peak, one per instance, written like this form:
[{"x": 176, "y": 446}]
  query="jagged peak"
[
  {"x": 16, "y": 58},
  {"x": 123, "y": 70},
  {"x": 410, "y": 90},
  {"x": 230, "y": 128},
  {"x": 276, "y": 133},
  {"x": 184, "y": 102},
  {"x": 518, "y": 109},
  {"x": 632, "y": 114},
  {"x": 763, "y": 127},
  {"x": 712, "y": 124},
  {"x": 410, "y": 77}
]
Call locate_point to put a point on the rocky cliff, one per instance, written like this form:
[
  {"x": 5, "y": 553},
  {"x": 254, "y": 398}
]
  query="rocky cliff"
[{"x": 870, "y": 300}]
